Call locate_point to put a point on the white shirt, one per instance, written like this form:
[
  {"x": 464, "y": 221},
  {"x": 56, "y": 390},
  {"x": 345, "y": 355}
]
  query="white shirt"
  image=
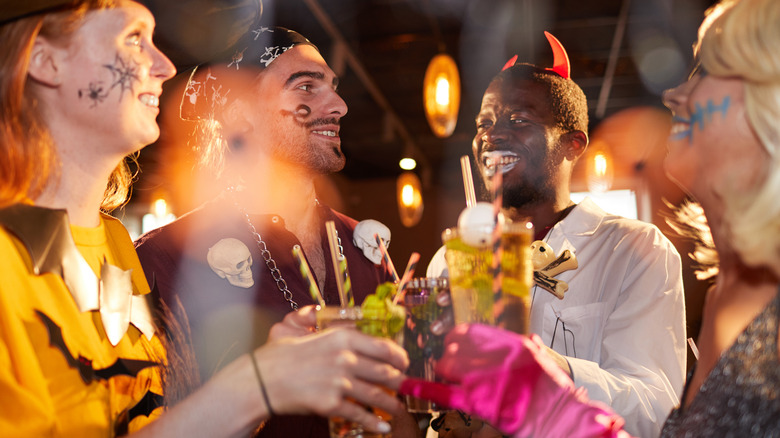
[{"x": 621, "y": 324}]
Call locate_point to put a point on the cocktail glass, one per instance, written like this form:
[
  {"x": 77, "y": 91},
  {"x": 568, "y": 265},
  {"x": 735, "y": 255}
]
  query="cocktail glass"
[
  {"x": 512, "y": 307},
  {"x": 471, "y": 276},
  {"x": 471, "y": 279},
  {"x": 334, "y": 316},
  {"x": 423, "y": 347}
]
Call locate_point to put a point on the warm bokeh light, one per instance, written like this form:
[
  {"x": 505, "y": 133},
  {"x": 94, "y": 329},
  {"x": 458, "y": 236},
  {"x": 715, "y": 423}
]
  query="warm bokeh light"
[
  {"x": 600, "y": 164},
  {"x": 410, "y": 202},
  {"x": 407, "y": 163},
  {"x": 599, "y": 167},
  {"x": 442, "y": 91},
  {"x": 407, "y": 195},
  {"x": 160, "y": 207},
  {"x": 441, "y": 95},
  {"x": 158, "y": 216}
]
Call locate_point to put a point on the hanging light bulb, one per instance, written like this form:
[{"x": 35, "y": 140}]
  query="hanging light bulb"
[
  {"x": 441, "y": 95},
  {"x": 599, "y": 168},
  {"x": 407, "y": 163},
  {"x": 410, "y": 202}
]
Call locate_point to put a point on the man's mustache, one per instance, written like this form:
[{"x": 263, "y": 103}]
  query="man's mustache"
[{"x": 322, "y": 121}]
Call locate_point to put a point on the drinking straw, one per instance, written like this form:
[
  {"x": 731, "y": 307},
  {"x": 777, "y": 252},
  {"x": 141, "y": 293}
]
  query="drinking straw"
[
  {"x": 468, "y": 181},
  {"x": 498, "y": 252},
  {"x": 343, "y": 284},
  {"x": 693, "y": 348},
  {"x": 386, "y": 257},
  {"x": 347, "y": 281},
  {"x": 408, "y": 273},
  {"x": 308, "y": 278}
]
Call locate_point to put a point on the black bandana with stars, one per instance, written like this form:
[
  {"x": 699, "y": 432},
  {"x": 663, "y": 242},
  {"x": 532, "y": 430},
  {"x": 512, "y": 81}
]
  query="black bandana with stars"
[{"x": 206, "y": 93}]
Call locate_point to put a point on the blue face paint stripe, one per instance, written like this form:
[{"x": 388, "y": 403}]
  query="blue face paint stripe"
[{"x": 702, "y": 116}]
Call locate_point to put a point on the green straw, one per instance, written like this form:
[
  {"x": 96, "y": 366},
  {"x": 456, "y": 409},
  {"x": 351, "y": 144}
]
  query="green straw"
[{"x": 308, "y": 278}]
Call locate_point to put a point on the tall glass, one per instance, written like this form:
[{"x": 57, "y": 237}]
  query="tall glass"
[
  {"x": 471, "y": 279},
  {"x": 512, "y": 308},
  {"x": 334, "y": 316},
  {"x": 423, "y": 347}
]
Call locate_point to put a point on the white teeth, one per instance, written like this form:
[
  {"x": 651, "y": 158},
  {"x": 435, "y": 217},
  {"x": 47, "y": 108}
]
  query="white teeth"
[
  {"x": 150, "y": 100},
  {"x": 679, "y": 127},
  {"x": 328, "y": 133},
  {"x": 494, "y": 159}
]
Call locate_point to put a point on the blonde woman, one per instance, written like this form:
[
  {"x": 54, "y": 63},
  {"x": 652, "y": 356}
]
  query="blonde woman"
[{"x": 724, "y": 149}]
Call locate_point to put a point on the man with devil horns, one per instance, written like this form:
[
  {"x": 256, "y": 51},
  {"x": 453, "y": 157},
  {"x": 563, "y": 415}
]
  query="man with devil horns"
[{"x": 619, "y": 330}]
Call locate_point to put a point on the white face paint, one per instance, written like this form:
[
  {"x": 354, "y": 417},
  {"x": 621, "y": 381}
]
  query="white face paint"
[
  {"x": 363, "y": 238},
  {"x": 230, "y": 259}
]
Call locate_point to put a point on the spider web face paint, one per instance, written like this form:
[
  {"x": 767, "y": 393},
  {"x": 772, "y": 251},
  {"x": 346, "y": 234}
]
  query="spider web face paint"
[{"x": 125, "y": 74}]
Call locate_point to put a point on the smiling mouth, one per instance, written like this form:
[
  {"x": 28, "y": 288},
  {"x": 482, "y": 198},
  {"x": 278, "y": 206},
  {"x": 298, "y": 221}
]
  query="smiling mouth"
[
  {"x": 327, "y": 133},
  {"x": 149, "y": 100},
  {"x": 681, "y": 128},
  {"x": 493, "y": 160}
]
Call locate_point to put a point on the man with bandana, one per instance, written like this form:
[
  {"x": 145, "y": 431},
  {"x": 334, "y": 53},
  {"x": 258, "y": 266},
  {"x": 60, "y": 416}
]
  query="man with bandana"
[
  {"x": 268, "y": 117},
  {"x": 619, "y": 330}
]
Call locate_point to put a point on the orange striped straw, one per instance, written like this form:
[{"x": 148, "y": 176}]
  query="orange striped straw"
[
  {"x": 498, "y": 252},
  {"x": 408, "y": 273},
  {"x": 386, "y": 257}
]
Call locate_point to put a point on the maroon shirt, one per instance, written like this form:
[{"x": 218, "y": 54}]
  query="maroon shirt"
[{"x": 227, "y": 321}]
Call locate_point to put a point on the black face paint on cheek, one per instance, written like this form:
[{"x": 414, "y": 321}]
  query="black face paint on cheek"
[
  {"x": 302, "y": 111},
  {"x": 125, "y": 73},
  {"x": 95, "y": 92}
]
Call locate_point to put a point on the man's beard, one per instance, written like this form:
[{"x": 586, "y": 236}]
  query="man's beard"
[
  {"x": 298, "y": 151},
  {"x": 530, "y": 190},
  {"x": 527, "y": 193}
]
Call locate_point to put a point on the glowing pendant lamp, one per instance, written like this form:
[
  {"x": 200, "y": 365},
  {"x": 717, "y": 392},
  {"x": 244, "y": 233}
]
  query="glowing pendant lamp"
[
  {"x": 410, "y": 202},
  {"x": 441, "y": 95}
]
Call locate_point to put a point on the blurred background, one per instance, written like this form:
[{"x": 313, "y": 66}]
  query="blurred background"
[{"x": 623, "y": 54}]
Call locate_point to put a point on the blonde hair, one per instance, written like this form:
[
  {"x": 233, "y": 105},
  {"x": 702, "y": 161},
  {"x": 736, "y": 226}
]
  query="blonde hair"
[
  {"x": 28, "y": 161},
  {"x": 741, "y": 38},
  {"x": 210, "y": 145}
]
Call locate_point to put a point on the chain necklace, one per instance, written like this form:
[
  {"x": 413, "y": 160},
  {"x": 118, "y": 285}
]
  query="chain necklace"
[{"x": 276, "y": 274}]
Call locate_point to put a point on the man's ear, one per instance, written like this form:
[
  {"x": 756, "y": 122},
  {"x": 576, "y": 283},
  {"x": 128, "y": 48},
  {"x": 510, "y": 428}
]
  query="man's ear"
[
  {"x": 235, "y": 124},
  {"x": 234, "y": 113},
  {"x": 45, "y": 63},
  {"x": 576, "y": 142}
]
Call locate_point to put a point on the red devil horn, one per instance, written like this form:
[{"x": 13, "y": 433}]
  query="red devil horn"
[
  {"x": 560, "y": 58},
  {"x": 510, "y": 63}
]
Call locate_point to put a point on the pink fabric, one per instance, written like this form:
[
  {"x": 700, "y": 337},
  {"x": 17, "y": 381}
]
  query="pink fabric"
[{"x": 510, "y": 382}]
